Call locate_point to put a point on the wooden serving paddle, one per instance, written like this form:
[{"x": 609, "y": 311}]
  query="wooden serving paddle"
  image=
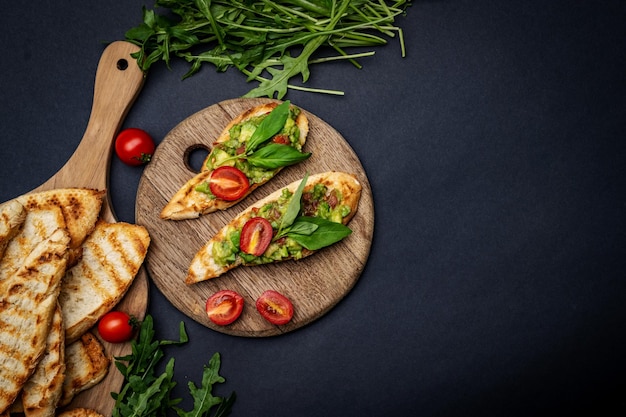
[{"x": 117, "y": 84}]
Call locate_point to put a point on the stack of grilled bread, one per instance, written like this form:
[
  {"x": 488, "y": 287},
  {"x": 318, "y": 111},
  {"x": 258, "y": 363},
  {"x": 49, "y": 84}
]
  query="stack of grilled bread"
[{"x": 62, "y": 268}]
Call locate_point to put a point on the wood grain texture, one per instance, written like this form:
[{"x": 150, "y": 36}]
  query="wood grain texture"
[
  {"x": 118, "y": 82},
  {"x": 314, "y": 284}
]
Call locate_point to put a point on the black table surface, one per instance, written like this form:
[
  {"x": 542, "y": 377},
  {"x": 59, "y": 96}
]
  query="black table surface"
[{"x": 495, "y": 150}]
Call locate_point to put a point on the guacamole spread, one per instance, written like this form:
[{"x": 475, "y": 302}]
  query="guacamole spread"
[{"x": 319, "y": 202}]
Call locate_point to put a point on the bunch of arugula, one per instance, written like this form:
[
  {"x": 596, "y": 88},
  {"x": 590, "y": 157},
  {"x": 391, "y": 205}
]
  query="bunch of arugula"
[
  {"x": 270, "y": 41},
  {"x": 144, "y": 394}
]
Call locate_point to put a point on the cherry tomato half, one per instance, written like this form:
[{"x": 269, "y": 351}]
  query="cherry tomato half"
[
  {"x": 117, "y": 326},
  {"x": 228, "y": 183},
  {"x": 256, "y": 236},
  {"x": 134, "y": 146},
  {"x": 275, "y": 307},
  {"x": 224, "y": 307}
]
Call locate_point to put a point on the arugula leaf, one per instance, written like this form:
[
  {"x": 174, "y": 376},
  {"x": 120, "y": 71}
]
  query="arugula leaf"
[
  {"x": 269, "y": 126},
  {"x": 325, "y": 234},
  {"x": 279, "y": 38},
  {"x": 203, "y": 398},
  {"x": 276, "y": 155},
  {"x": 144, "y": 394},
  {"x": 294, "y": 66}
]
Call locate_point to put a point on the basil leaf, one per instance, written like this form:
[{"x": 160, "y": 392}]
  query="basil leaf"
[
  {"x": 298, "y": 227},
  {"x": 301, "y": 227},
  {"x": 293, "y": 209},
  {"x": 269, "y": 126},
  {"x": 275, "y": 156},
  {"x": 326, "y": 233}
]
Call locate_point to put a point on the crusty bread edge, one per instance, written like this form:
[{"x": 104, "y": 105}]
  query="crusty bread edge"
[
  {"x": 175, "y": 210},
  {"x": 342, "y": 180}
]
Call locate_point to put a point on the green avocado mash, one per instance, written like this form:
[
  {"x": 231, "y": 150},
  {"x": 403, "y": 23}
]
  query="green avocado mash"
[
  {"x": 318, "y": 202},
  {"x": 225, "y": 153}
]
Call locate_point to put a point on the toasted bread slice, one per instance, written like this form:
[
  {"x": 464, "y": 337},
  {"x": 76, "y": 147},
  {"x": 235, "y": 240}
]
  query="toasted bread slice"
[
  {"x": 80, "y": 412},
  {"x": 38, "y": 225},
  {"x": 188, "y": 203},
  {"x": 42, "y": 392},
  {"x": 205, "y": 266},
  {"x": 86, "y": 365},
  {"x": 80, "y": 207},
  {"x": 111, "y": 257},
  {"x": 12, "y": 216},
  {"x": 27, "y": 304}
]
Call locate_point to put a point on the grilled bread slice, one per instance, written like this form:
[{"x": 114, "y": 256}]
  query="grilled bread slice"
[
  {"x": 27, "y": 304},
  {"x": 80, "y": 412},
  {"x": 335, "y": 189},
  {"x": 111, "y": 257},
  {"x": 12, "y": 216},
  {"x": 38, "y": 225},
  {"x": 86, "y": 365},
  {"x": 189, "y": 203},
  {"x": 42, "y": 392},
  {"x": 80, "y": 207}
]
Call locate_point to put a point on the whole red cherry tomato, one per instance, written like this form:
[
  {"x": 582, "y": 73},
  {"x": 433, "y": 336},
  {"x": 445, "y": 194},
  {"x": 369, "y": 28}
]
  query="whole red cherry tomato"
[
  {"x": 224, "y": 307},
  {"x": 134, "y": 146},
  {"x": 256, "y": 236},
  {"x": 228, "y": 183},
  {"x": 275, "y": 307},
  {"x": 117, "y": 326}
]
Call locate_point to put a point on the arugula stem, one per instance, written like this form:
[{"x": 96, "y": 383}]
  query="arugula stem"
[{"x": 280, "y": 36}]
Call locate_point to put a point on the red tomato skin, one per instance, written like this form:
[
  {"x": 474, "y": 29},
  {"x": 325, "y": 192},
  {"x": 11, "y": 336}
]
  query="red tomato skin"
[
  {"x": 237, "y": 180},
  {"x": 134, "y": 146},
  {"x": 281, "y": 139},
  {"x": 275, "y": 307},
  {"x": 256, "y": 236},
  {"x": 224, "y": 307},
  {"x": 116, "y": 327}
]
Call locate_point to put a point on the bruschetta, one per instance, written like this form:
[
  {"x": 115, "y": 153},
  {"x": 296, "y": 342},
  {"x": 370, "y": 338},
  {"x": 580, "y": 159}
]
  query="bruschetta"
[
  {"x": 290, "y": 223},
  {"x": 250, "y": 151}
]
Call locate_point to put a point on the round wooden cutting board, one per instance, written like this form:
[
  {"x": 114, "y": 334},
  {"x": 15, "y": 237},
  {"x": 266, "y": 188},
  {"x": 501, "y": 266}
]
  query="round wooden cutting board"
[{"x": 314, "y": 284}]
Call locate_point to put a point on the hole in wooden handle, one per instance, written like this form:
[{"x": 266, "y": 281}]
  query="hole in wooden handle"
[
  {"x": 122, "y": 64},
  {"x": 194, "y": 157}
]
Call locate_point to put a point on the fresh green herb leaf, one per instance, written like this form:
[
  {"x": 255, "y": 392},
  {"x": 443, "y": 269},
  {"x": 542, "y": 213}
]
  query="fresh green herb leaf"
[
  {"x": 203, "y": 399},
  {"x": 271, "y": 42},
  {"x": 269, "y": 126},
  {"x": 139, "y": 396},
  {"x": 146, "y": 394},
  {"x": 293, "y": 208},
  {"x": 325, "y": 234},
  {"x": 276, "y": 155}
]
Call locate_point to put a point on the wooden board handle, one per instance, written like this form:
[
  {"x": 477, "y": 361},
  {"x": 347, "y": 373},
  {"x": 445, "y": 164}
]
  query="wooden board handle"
[{"x": 118, "y": 83}]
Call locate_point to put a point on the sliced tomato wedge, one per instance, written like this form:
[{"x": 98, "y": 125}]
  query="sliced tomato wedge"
[
  {"x": 275, "y": 307},
  {"x": 224, "y": 307},
  {"x": 256, "y": 236},
  {"x": 228, "y": 183},
  {"x": 281, "y": 139}
]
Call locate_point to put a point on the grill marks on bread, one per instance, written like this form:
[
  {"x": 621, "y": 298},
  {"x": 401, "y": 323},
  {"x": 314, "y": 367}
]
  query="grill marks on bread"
[
  {"x": 42, "y": 235},
  {"x": 86, "y": 365},
  {"x": 43, "y": 390},
  {"x": 38, "y": 225},
  {"x": 80, "y": 207},
  {"x": 28, "y": 302},
  {"x": 111, "y": 257},
  {"x": 12, "y": 216}
]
